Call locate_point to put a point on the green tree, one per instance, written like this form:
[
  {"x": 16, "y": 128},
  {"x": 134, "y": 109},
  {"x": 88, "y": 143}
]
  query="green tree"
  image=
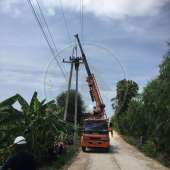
[
  {"x": 157, "y": 107},
  {"x": 61, "y": 103},
  {"x": 126, "y": 90},
  {"x": 136, "y": 120},
  {"x": 149, "y": 115},
  {"x": 165, "y": 67}
]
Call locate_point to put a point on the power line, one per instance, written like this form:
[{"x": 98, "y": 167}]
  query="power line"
[
  {"x": 82, "y": 19},
  {"x": 43, "y": 17},
  {"x": 49, "y": 32},
  {"x": 45, "y": 36},
  {"x": 65, "y": 20}
]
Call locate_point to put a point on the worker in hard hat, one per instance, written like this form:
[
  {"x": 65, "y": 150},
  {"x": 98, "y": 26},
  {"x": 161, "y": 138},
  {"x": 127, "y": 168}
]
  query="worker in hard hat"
[{"x": 21, "y": 160}]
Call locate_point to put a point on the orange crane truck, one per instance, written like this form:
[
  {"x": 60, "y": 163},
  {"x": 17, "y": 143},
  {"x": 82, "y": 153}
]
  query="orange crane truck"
[{"x": 95, "y": 131}]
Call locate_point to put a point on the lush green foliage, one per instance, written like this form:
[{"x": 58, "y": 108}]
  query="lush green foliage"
[
  {"x": 146, "y": 118},
  {"x": 126, "y": 90},
  {"x": 63, "y": 159},
  {"x": 61, "y": 103},
  {"x": 38, "y": 121}
]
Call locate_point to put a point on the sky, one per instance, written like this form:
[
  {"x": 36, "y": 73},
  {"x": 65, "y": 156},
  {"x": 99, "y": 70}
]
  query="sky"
[{"x": 121, "y": 39}]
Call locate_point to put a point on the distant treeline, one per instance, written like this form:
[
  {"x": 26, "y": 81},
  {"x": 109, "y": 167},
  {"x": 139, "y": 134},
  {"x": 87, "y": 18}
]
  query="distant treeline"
[{"x": 145, "y": 118}]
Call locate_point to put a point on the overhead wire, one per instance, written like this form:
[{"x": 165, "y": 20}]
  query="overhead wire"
[
  {"x": 45, "y": 36},
  {"x": 65, "y": 21},
  {"x": 82, "y": 19},
  {"x": 49, "y": 32}
]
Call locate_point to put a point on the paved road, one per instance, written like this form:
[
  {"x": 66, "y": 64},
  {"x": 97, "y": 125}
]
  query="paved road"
[{"x": 122, "y": 156}]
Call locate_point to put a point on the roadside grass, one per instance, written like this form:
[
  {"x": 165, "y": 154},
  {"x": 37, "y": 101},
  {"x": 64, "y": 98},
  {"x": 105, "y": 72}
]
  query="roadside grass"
[
  {"x": 60, "y": 161},
  {"x": 148, "y": 149}
]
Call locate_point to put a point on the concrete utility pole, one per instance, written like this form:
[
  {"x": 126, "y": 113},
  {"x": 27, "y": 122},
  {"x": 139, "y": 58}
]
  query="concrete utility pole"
[
  {"x": 74, "y": 61},
  {"x": 77, "y": 62},
  {"x": 68, "y": 91}
]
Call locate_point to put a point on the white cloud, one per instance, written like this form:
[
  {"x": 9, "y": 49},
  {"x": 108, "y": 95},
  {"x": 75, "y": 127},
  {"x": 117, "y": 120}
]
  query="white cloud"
[
  {"x": 111, "y": 8},
  {"x": 101, "y": 8},
  {"x": 10, "y": 6},
  {"x": 122, "y": 8}
]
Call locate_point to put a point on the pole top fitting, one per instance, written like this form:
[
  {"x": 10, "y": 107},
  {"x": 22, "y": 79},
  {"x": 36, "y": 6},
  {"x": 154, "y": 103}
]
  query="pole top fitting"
[{"x": 76, "y": 35}]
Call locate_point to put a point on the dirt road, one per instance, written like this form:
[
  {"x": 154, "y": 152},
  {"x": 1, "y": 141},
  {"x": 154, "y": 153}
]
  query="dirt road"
[{"x": 122, "y": 156}]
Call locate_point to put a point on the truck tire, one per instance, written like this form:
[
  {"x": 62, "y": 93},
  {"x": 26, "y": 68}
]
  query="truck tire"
[
  {"x": 107, "y": 149},
  {"x": 83, "y": 148}
]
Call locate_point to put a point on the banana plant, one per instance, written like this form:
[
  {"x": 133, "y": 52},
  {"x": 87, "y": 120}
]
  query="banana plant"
[{"x": 39, "y": 121}]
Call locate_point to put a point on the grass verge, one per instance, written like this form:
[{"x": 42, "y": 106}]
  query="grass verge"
[
  {"x": 61, "y": 160},
  {"x": 148, "y": 149}
]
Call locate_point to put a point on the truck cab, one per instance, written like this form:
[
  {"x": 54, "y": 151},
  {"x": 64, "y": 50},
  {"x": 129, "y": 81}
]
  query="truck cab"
[{"x": 95, "y": 134}]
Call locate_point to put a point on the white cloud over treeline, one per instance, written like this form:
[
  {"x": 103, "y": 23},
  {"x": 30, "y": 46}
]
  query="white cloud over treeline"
[{"x": 101, "y": 8}]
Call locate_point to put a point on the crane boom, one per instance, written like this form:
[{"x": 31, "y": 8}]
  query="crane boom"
[
  {"x": 83, "y": 56},
  {"x": 99, "y": 110},
  {"x": 96, "y": 127}
]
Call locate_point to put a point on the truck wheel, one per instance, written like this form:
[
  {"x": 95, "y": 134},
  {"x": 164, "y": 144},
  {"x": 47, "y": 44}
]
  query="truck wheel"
[
  {"x": 83, "y": 148},
  {"x": 107, "y": 149}
]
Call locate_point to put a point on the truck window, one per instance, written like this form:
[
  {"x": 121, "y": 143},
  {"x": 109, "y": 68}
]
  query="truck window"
[{"x": 101, "y": 127}]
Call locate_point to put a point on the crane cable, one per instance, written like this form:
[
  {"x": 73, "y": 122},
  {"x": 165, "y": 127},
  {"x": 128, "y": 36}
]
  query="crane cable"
[{"x": 45, "y": 36}]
